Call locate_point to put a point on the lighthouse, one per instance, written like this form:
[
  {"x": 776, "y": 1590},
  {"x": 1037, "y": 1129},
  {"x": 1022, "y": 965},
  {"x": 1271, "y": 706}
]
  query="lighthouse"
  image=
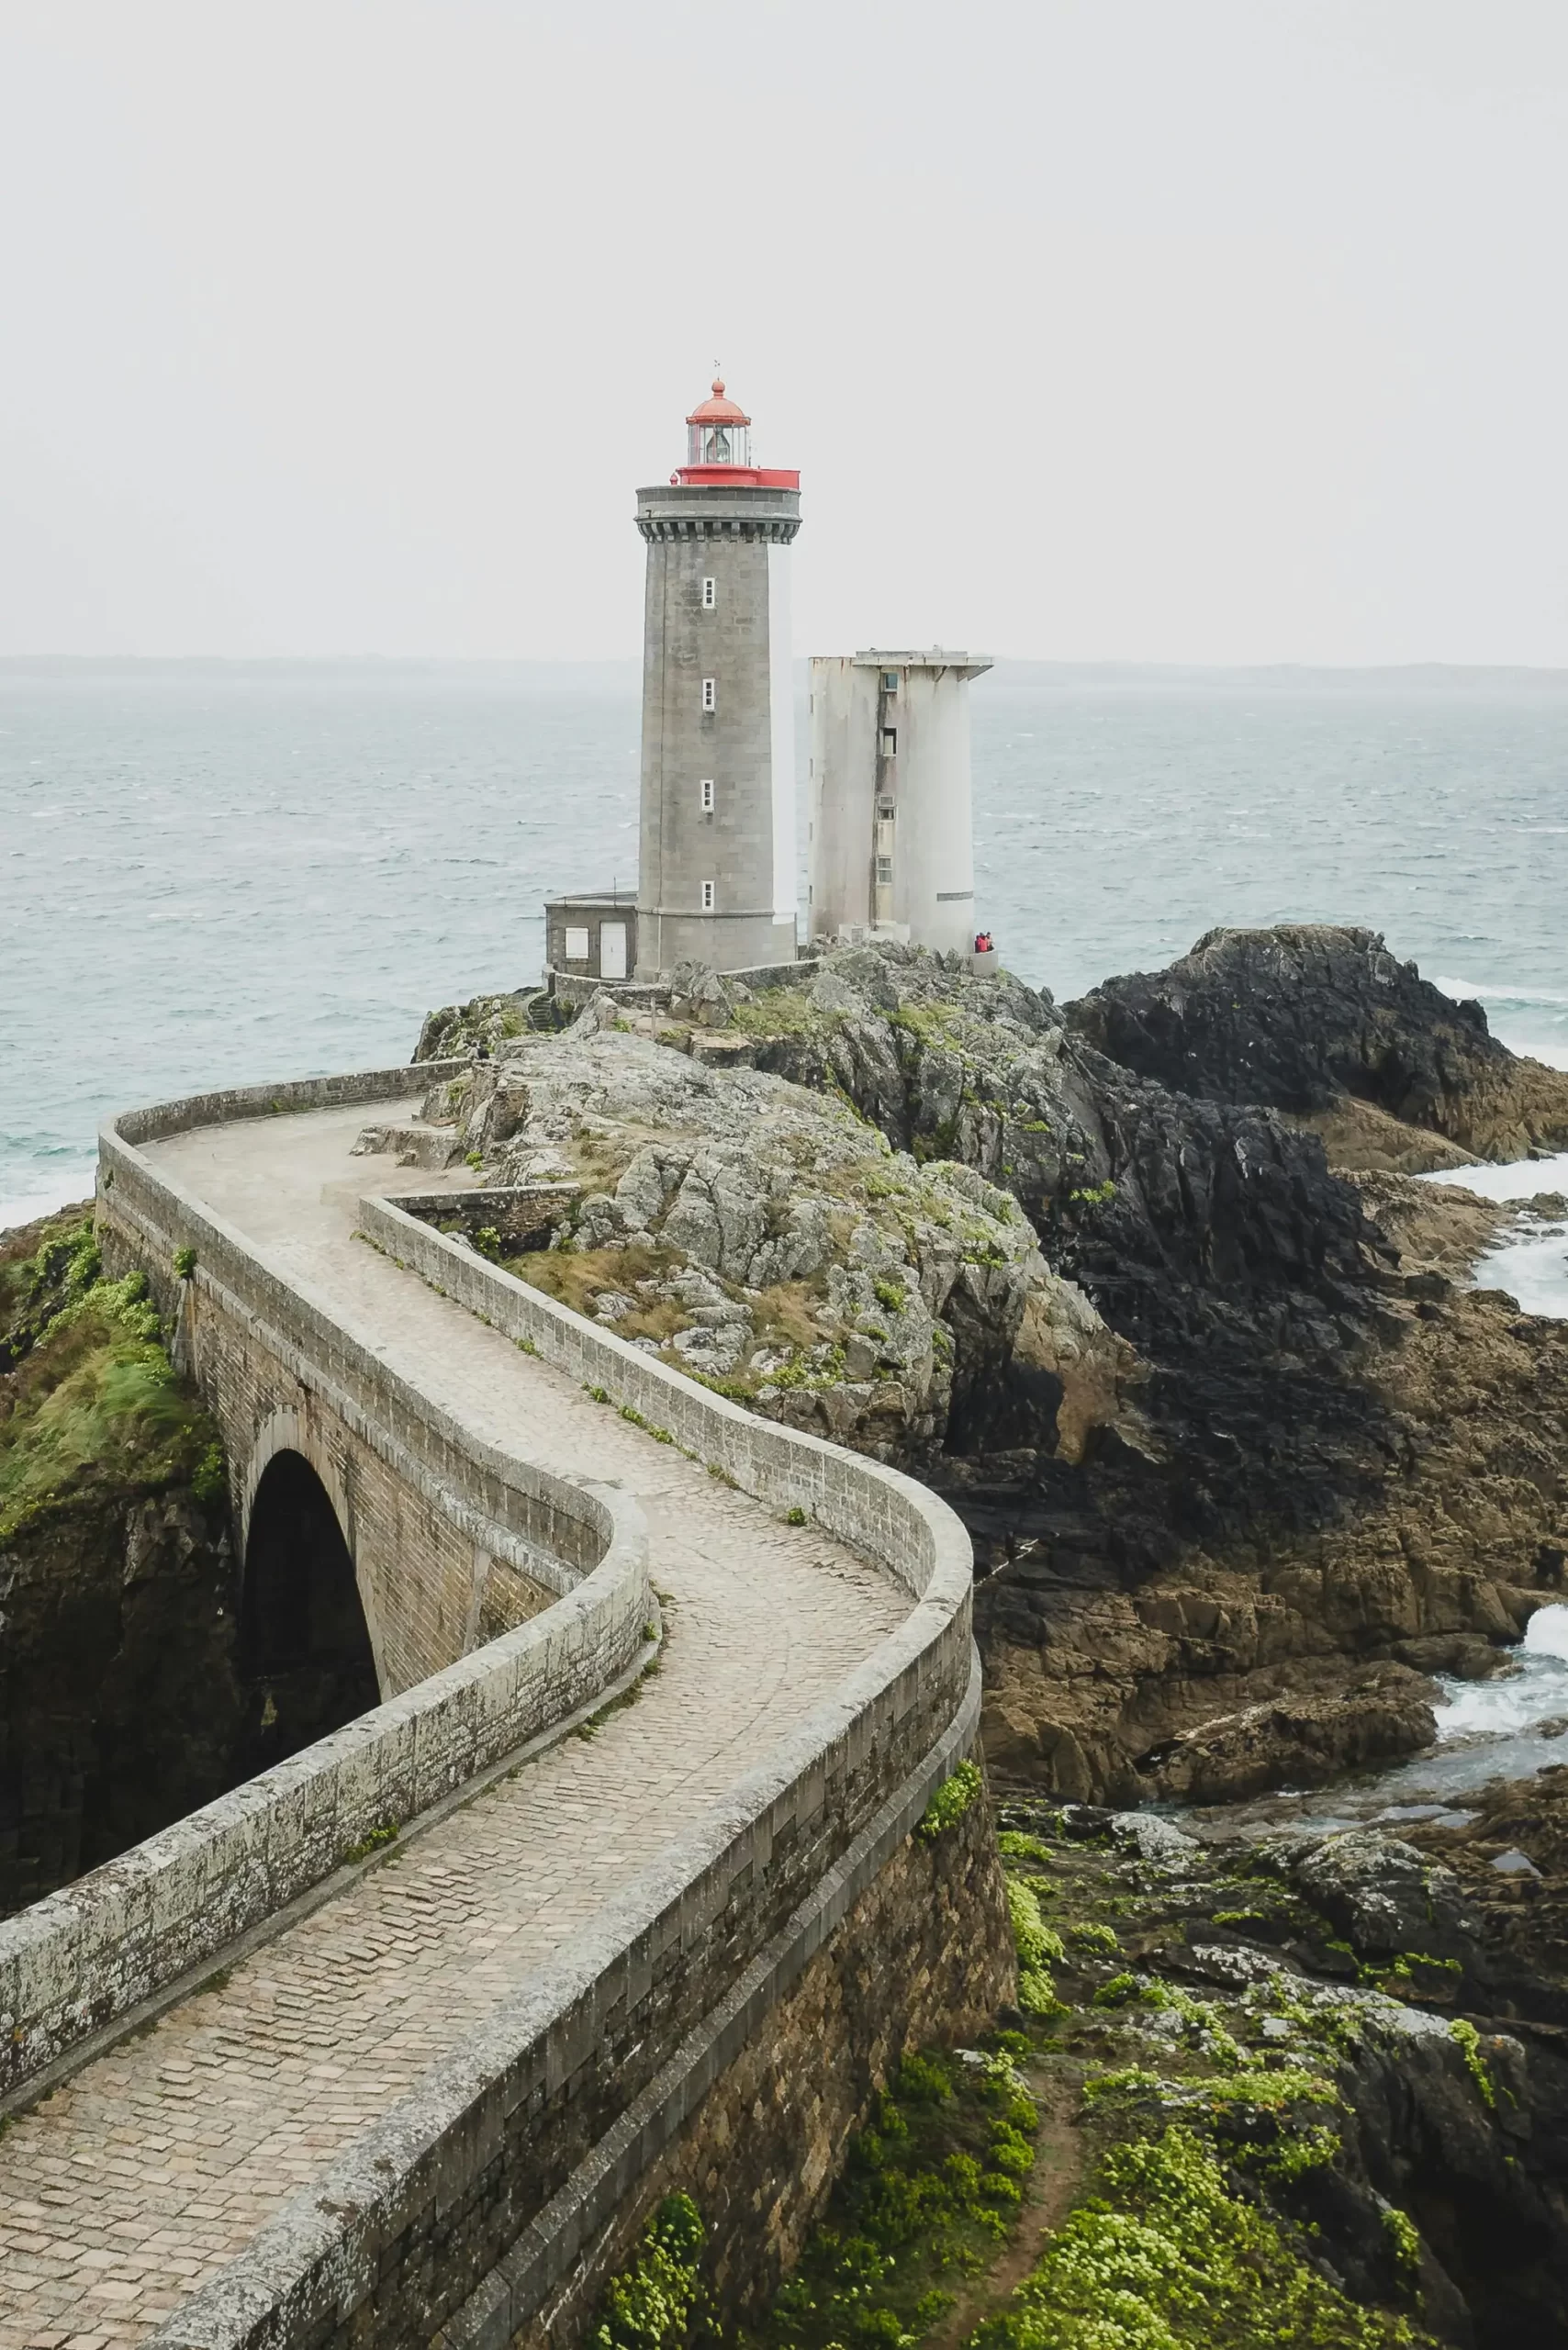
[{"x": 716, "y": 875}]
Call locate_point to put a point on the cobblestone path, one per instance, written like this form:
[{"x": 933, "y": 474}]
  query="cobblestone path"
[{"x": 155, "y": 2162}]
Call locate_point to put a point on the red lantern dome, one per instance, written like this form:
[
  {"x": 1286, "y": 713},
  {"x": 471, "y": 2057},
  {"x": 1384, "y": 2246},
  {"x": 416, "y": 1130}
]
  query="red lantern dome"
[{"x": 718, "y": 448}]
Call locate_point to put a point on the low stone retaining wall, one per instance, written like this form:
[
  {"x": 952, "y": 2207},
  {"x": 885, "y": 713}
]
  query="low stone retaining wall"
[
  {"x": 490, "y": 2178},
  {"x": 520, "y": 1213},
  {"x": 878, "y": 1510},
  {"x": 98, "y": 1949}
]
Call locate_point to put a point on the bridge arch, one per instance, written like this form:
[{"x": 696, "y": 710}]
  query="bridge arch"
[{"x": 307, "y": 1661}]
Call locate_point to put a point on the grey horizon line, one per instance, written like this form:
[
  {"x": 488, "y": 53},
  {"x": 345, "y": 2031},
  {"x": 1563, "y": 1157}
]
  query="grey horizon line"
[{"x": 1042, "y": 669}]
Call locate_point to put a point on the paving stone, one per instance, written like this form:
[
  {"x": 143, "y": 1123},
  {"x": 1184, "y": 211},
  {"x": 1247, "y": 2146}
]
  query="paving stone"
[{"x": 398, "y": 1970}]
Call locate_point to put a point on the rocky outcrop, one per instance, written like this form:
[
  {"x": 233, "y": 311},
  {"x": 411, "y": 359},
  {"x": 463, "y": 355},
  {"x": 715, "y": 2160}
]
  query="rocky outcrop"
[
  {"x": 1235, "y": 1444},
  {"x": 1326, "y": 1024},
  {"x": 118, "y": 1700},
  {"x": 1302, "y": 1742},
  {"x": 1333, "y": 2018},
  {"x": 1323, "y": 1457},
  {"x": 765, "y": 1238}
]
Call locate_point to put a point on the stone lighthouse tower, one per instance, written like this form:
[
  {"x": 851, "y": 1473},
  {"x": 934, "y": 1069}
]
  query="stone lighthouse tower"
[{"x": 717, "y": 871}]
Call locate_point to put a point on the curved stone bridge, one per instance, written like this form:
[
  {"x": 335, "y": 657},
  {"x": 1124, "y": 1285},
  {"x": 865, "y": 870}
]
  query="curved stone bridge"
[{"x": 276, "y": 2078}]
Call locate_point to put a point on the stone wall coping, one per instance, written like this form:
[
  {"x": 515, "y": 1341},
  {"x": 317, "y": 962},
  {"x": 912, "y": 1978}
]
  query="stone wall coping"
[
  {"x": 322, "y": 2252},
  {"x": 103, "y": 1945},
  {"x": 885, "y": 1736},
  {"x": 898, "y": 1522}
]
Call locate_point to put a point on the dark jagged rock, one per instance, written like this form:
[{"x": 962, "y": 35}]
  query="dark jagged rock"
[
  {"x": 1335, "y": 2016},
  {"x": 1322, "y": 1455},
  {"x": 1310, "y": 1019}
]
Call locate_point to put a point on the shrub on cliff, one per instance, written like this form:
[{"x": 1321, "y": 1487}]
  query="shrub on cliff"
[
  {"x": 89, "y": 1397},
  {"x": 1167, "y": 2255}
]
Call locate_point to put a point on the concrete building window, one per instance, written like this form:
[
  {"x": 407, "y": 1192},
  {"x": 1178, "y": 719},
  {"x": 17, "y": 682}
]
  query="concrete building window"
[
  {"x": 710, "y": 594},
  {"x": 887, "y": 809},
  {"x": 890, "y": 742},
  {"x": 706, "y": 790},
  {"x": 889, "y": 681},
  {"x": 710, "y": 693},
  {"x": 707, "y": 897},
  {"x": 884, "y": 872},
  {"x": 577, "y": 944}
]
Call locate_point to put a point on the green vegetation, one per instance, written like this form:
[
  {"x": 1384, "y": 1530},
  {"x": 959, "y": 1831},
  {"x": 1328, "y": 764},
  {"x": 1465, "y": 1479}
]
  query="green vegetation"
[
  {"x": 1469, "y": 2041},
  {"x": 1036, "y": 1943},
  {"x": 655, "y": 2303},
  {"x": 377, "y": 1839},
  {"x": 781, "y": 1011},
  {"x": 91, "y": 1400},
  {"x": 930, "y": 2190},
  {"x": 1014, "y": 1846},
  {"x": 1404, "y": 2240},
  {"x": 1166, "y": 2255},
  {"x": 950, "y": 1802}
]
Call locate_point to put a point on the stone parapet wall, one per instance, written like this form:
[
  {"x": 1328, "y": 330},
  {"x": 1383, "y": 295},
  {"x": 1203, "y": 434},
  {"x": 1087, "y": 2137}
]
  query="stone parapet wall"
[
  {"x": 757, "y": 2122},
  {"x": 878, "y": 1510},
  {"x": 406, "y": 1478},
  {"x": 541, "y": 2132},
  {"x": 72, "y": 1964},
  {"x": 477, "y": 2196}
]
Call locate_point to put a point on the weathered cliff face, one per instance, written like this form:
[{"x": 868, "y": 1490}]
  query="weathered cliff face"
[
  {"x": 760, "y": 1235},
  {"x": 1326, "y": 1473},
  {"x": 1326, "y": 1024},
  {"x": 117, "y": 1586}
]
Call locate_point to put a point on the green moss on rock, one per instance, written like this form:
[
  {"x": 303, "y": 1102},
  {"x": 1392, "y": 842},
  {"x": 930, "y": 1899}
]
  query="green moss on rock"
[{"x": 92, "y": 1400}]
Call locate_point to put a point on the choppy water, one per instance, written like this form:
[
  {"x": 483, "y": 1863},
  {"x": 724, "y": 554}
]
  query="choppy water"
[
  {"x": 1508, "y": 1727},
  {"x": 215, "y": 873}
]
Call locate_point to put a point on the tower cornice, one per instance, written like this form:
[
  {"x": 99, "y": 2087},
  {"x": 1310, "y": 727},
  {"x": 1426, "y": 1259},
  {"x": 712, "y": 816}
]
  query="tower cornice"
[{"x": 675, "y": 511}]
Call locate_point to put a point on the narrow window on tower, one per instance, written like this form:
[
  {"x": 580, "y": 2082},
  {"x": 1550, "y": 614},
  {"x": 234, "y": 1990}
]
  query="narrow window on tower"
[
  {"x": 710, "y": 594},
  {"x": 889, "y": 681},
  {"x": 706, "y": 788},
  {"x": 707, "y": 897},
  {"x": 890, "y": 742},
  {"x": 884, "y": 871},
  {"x": 710, "y": 693}
]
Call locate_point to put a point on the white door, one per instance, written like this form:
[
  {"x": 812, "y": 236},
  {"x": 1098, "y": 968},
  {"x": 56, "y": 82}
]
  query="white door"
[{"x": 612, "y": 950}]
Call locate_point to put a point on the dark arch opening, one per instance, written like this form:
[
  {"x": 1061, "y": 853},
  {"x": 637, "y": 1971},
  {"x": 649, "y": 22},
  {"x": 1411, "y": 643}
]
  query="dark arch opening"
[{"x": 306, "y": 1665}]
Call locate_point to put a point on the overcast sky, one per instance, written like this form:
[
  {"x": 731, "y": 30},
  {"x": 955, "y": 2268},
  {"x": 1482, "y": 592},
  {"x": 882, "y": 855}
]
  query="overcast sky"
[{"x": 1161, "y": 329}]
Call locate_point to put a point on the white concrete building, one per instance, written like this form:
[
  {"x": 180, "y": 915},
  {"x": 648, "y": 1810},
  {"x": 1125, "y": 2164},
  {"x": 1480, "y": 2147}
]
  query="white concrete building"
[{"x": 891, "y": 847}]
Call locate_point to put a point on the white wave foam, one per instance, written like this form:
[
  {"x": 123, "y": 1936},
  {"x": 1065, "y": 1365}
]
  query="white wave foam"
[
  {"x": 1546, "y": 1634},
  {"x": 25, "y": 1207},
  {"x": 1520, "y": 1178},
  {"x": 1491, "y": 992},
  {"x": 1531, "y": 1265}
]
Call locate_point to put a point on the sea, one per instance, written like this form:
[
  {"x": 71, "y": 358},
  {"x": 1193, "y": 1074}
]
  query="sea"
[{"x": 216, "y": 873}]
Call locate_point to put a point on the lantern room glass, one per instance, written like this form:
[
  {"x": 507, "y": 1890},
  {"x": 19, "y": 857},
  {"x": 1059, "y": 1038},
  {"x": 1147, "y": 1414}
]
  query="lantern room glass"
[{"x": 717, "y": 445}]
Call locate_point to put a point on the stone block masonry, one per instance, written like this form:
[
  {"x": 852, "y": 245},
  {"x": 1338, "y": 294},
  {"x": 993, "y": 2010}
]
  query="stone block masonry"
[
  {"x": 476, "y": 2058},
  {"x": 716, "y": 873},
  {"x": 907, "y": 1944}
]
